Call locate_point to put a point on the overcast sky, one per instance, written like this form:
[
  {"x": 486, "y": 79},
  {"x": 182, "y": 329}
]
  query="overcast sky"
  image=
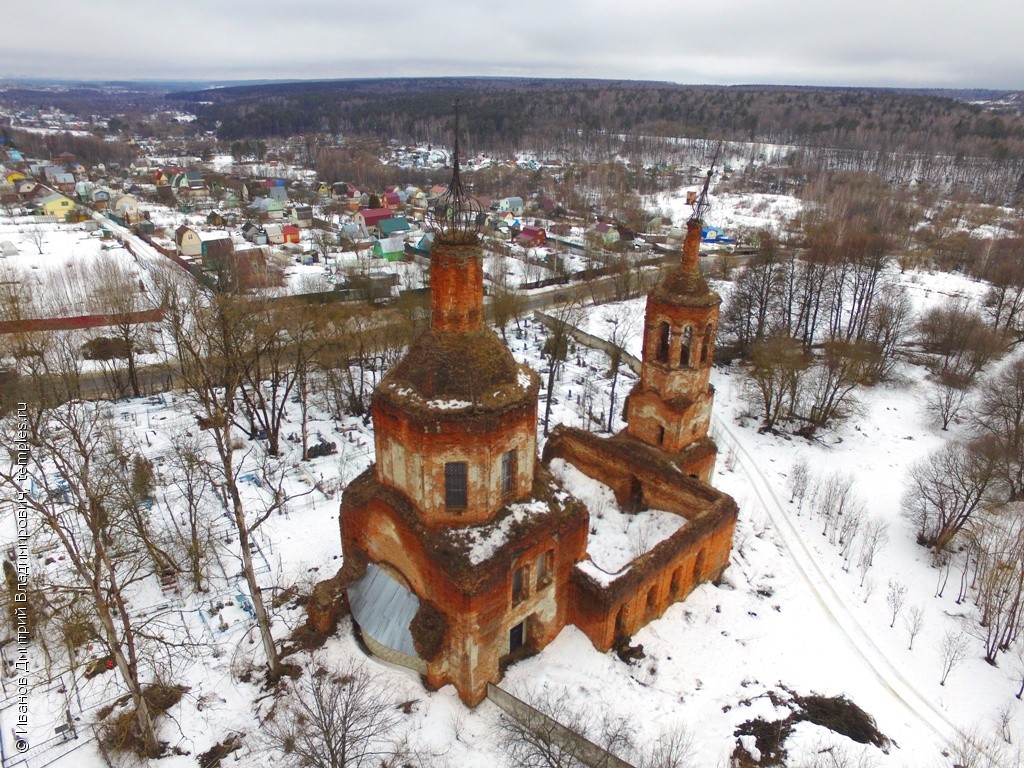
[{"x": 916, "y": 43}]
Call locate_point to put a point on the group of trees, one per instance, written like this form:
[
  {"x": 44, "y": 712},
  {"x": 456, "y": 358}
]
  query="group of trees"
[
  {"x": 819, "y": 316},
  {"x": 242, "y": 364},
  {"x": 966, "y": 496}
]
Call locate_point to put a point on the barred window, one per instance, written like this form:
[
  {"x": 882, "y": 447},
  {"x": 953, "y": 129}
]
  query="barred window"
[
  {"x": 508, "y": 472},
  {"x": 455, "y": 490}
]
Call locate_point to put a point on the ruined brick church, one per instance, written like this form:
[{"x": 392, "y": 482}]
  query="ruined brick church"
[{"x": 462, "y": 552}]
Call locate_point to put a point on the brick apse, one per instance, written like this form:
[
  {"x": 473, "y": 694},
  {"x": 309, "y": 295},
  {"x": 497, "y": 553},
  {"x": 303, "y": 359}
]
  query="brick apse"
[{"x": 461, "y": 551}]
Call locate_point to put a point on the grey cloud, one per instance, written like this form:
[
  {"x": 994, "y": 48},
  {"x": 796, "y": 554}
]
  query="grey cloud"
[{"x": 873, "y": 42}]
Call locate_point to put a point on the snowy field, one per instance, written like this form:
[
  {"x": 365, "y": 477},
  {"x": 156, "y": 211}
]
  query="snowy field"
[{"x": 63, "y": 279}]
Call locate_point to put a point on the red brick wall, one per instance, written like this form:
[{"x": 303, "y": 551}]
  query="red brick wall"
[
  {"x": 670, "y": 568},
  {"x": 456, "y": 288},
  {"x": 411, "y": 457},
  {"x": 477, "y": 607}
]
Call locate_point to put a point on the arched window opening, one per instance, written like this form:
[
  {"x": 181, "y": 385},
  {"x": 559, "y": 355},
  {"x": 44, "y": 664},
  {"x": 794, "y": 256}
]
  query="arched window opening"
[
  {"x": 620, "y": 623},
  {"x": 705, "y": 345},
  {"x": 677, "y": 582},
  {"x": 698, "y": 567},
  {"x": 684, "y": 348},
  {"x": 652, "y": 601},
  {"x": 664, "y": 339}
]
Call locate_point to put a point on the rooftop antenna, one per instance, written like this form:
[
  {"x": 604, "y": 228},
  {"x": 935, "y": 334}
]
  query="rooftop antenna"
[
  {"x": 701, "y": 206},
  {"x": 455, "y": 216}
]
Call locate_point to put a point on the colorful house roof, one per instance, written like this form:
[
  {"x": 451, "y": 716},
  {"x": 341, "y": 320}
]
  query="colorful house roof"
[
  {"x": 394, "y": 226},
  {"x": 373, "y": 216}
]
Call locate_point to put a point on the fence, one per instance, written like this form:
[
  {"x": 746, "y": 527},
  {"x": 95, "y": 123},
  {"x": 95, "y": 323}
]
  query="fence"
[
  {"x": 78, "y": 322},
  {"x": 588, "y": 340},
  {"x": 544, "y": 727}
]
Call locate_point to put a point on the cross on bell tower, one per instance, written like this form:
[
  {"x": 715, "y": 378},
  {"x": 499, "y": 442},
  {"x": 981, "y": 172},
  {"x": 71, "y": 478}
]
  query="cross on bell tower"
[{"x": 670, "y": 407}]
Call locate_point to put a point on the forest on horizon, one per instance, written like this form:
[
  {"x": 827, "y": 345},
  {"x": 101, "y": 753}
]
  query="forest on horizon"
[{"x": 502, "y": 114}]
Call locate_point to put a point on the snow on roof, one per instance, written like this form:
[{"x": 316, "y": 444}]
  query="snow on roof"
[
  {"x": 484, "y": 540},
  {"x": 616, "y": 538}
]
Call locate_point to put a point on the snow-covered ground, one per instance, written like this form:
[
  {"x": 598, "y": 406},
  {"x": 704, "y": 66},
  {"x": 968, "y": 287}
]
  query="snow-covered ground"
[
  {"x": 63, "y": 279},
  {"x": 786, "y": 613},
  {"x": 731, "y": 213}
]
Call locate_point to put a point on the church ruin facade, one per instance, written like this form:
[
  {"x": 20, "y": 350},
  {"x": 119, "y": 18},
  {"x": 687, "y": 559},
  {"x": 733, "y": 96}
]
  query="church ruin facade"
[{"x": 462, "y": 551}]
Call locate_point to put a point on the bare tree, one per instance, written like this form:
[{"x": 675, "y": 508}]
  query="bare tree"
[
  {"x": 620, "y": 328},
  {"x": 214, "y": 337},
  {"x": 888, "y": 325},
  {"x": 946, "y": 490},
  {"x": 556, "y": 346},
  {"x": 972, "y": 749},
  {"x": 868, "y": 584},
  {"x": 947, "y": 397},
  {"x": 874, "y": 536},
  {"x": 840, "y": 369},
  {"x": 507, "y": 303},
  {"x": 799, "y": 481},
  {"x": 191, "y": 518},
  {"x": 952, "y": 651},
  {"x": 835, "y": 499},
  {"x": 35, "y": 234},
  {"x": 895, "y": 597},
  {"x": 118, "y": 292},
  {"x": 323, "y": 241},
  {"x": 776, "y": 375},
  {"x": 998, "y": 414},
  {"x": 914, "y": 622},
  {"x": 337, "y": 717},
  {"x": 998, "y": 544},
  {"x": 81, "y": 509},
  {"x": 672, "y": 749},
  {"x": 1004, "y": 717},
  {"x": 960, "y": 340}
]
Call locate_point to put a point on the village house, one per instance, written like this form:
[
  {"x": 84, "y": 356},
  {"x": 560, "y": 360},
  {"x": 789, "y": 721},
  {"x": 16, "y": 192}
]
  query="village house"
[
  {"x": 243, "y": 270},
  {"x": 531, "y": 237},
  {"x": 513, "y": 205},
  {"x": 390, "y": 248},
  {"x": 369, "y": 218},
  {"x": 267, "y": 208},
  {"x": 279, "y": 234},
  {"x": 55, "y": 204},
  {"x": 399, "y": 225},
  {"x": 192, "y": 243},
  {"x": 254, "y": 233},
  {"x": 127, "y": 207},
  {"x": 302, "y": 216},
  {"x": 188, "y": 184}
]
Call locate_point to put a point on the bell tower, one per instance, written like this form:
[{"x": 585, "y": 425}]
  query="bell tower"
[{"x": 670, "y": 407}]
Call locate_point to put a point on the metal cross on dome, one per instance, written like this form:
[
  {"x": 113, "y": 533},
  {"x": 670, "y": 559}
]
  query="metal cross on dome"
[
  {"x": 456, "y": 216},
  {"x": 701, "y": 206}
]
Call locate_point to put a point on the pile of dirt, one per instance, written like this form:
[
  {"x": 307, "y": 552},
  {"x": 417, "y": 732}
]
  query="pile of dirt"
[{"x": 836, "y": 713}]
